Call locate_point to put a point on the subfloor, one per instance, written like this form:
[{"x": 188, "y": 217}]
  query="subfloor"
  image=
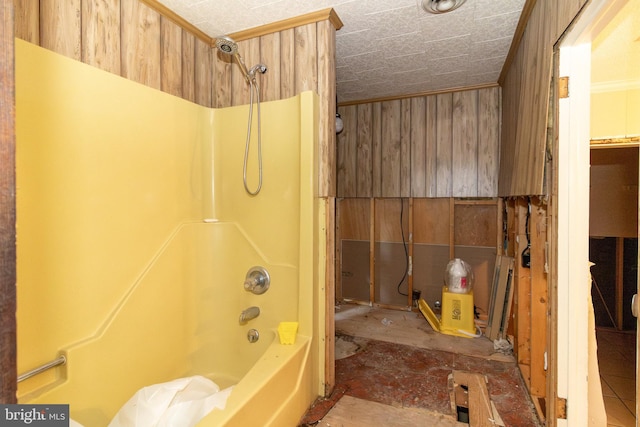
[
  {"x": 617, "y": 363},
  {"x": 393, "y": 369}
]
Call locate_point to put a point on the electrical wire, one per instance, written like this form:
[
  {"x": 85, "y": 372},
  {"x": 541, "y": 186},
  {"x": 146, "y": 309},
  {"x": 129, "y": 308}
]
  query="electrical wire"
[{"x": 406, "y": 251}]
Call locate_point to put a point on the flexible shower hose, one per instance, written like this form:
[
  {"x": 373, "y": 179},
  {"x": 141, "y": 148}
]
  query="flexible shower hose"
[{"x": 253, "y": 86}]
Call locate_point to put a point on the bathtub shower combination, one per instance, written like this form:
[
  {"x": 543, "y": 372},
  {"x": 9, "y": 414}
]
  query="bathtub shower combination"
[{"x": 156, "y": 262}]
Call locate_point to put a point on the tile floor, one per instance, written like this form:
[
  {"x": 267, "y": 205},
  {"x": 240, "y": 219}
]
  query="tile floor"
[
  {"x": 394, "y": 363},
  {"x": 616, "y": 360}
]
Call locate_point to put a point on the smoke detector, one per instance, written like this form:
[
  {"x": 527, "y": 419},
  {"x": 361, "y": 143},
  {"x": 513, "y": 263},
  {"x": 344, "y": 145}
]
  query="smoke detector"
[{"x": 441, "y": 6}]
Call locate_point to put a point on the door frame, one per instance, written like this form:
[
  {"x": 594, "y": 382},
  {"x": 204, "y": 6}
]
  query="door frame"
[
  {"x": 572, "y": 219},
  {"x": 8, "y": 373}
]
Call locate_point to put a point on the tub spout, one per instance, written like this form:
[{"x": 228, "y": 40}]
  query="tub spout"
[{"x": 248, "y": 314}]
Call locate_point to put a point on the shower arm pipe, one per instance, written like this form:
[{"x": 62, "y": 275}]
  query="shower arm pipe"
[{"x": 60, "y": 360}]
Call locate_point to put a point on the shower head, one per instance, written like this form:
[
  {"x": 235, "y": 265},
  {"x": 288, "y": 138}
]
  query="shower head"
[{"x": 228, "y": 46}]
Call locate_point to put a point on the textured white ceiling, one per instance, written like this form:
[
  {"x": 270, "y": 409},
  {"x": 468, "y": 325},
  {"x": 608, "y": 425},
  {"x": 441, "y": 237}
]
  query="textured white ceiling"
[{"x": 386, "y": 47}]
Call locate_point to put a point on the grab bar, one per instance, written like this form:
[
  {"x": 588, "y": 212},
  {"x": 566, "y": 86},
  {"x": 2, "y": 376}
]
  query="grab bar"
[{"x": 60, "y": 360}]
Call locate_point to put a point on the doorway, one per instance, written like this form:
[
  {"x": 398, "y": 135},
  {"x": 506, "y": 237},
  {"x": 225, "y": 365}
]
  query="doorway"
[
  {"x": 613, "y": 248},
  {"x": 613, "y": 225},
  {"x": 578, "y": 62}
]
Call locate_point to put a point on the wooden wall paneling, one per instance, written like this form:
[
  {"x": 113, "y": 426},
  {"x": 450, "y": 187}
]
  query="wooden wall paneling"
[
  {"x": 530, "y": 100},
  {"x": 391, "y": 148},
  {"x": 565, "y": 12},
  {"x": 347, "y": 153},
  {"x": 170, "y": 57},
  {"x": 8, "y": 342},
  {"x": 539, "y": 311},
  {"x": 326, "y": 55},
  {"x": 444, "y": 124},
  {"x": 27, "y": 20},
  {"x": 204, "y": 81},
  {"x": 431, "y": 221},
  {"x": 510, "y": 102},
  {"x": 189, "y": 66},
  {"x": 376, "y": 131},
  {"x": 419, "y": 147},
  {"x": 140, "y": 43},
  {"x": 364, "y": 151},
  {"x": 405, "y": 147},
  {"x": 488, "y": 141},
  {"x": 465, "y": 144},
  {"x": 270, "y": 56},
  {"x": 222, "y": 70},
  {"x": 60, "y": 28},
  {"x": 249, "y": 51},
  {"x": 523, "y": 132},
  {"x": 287, "y": 64},
  {"x": 101, "y": 35},
  {"x": 431, "y": 170},
  {"x": 305, "y": 59},
  {"x": 544, "y": 25}
]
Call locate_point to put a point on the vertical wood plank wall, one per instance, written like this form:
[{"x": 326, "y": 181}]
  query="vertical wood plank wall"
[
  {"x": 132, "y": 38},
  {"x": 525, "y": 97},
  {"x": 8, "y": 372},
  {"x": 127, "y": 38},
  {"x": 444, "y": 145}
]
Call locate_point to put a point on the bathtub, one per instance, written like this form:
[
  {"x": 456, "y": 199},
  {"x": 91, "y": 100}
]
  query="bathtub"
[
  {"x": 136, "y": 272},
  {"x": 182, "y": 319}
]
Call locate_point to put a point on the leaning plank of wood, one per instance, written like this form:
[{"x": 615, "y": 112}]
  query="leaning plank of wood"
[
  {"x": 492, "y": 298},
  {"x": 502, "y": 297}
]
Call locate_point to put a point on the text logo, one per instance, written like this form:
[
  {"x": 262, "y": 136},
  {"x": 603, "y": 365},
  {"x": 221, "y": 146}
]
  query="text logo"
[{"x": 34, "y": 415}]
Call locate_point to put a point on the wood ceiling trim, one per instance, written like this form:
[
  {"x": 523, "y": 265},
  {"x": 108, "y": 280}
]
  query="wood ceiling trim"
[{"x": 286, "y": 24}]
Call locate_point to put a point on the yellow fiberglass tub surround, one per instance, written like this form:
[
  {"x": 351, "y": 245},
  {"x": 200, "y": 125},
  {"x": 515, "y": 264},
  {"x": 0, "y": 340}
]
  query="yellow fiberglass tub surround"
[{"x": 136, "y": 237}]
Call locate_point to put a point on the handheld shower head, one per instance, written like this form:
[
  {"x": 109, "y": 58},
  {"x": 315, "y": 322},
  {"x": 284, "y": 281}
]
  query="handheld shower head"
[{"x": 228, "y": 46}]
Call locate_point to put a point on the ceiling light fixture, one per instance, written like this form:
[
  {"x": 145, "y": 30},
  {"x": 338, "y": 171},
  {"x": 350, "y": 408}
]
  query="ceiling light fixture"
[{"x": 441, "y": 6}]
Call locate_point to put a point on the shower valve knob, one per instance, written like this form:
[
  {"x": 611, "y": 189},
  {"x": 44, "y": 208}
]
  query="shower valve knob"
[{"x": 257, "y": 280}]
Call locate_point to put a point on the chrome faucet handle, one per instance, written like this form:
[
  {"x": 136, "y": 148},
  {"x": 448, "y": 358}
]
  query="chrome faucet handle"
[{"x": 257, "y": 280}]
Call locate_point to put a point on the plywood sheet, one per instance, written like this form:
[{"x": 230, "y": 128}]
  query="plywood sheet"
[
  {"x": 475, "y": 225},
  {"x": 354, "y": 412},
  {"x": 431, "y": 221},
  {"x": 354, "y": 219}
]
